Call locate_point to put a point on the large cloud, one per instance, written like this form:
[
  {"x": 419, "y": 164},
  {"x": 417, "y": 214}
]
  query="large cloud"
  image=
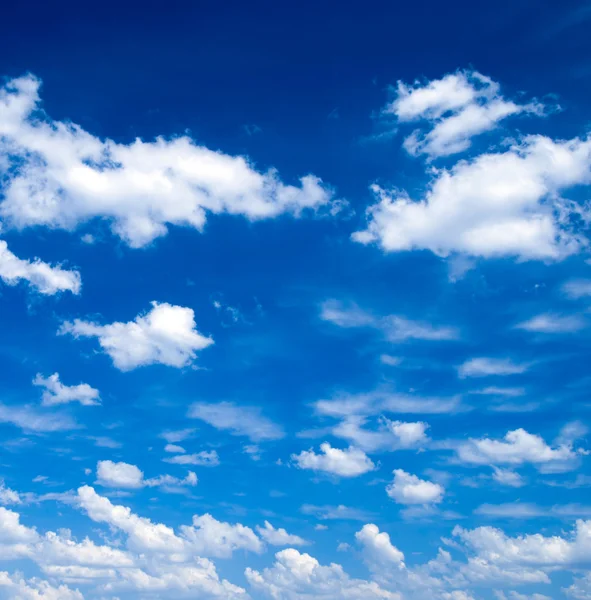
[{"x": 67, "y": 176}]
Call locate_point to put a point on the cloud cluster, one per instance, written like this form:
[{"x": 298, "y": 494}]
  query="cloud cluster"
[
  {"x": 55, "y": 392},
  {"x": 350, "y": 462},
  {"x": 123, "y": 475}
]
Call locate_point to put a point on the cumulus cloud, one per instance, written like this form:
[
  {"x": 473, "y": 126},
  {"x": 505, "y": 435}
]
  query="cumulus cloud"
[
  {"x": 35, "y": 589},
  {"x": 508, "y": 477},
  {"x": 519, "y": 447},
  {"x": 206, "y": 536},
  {"x": 504, "y": 204},
  {"x": 55, "y": 392},
  {"x": 389, "y": 435},
  {"x": 8, "y": 496},
  {"x": 279, "y": 537},
  {"x": 483, "y": 367},
  {"x": 456, "y": 107},
  {"x": 297, "y": 576},
  {"x": 166, "y": 335},
  {"x": 350, "y": 462},
  {"x": 238, "y": 420},
  {"x": 41, "y": 276},
  {"x": 126, "y": 476},
  {"x": 394, "y": 328},
  {"x": 378, "y": 549},
  {"x": 205, "y": 458},
  {"x": 409, "y": 489},
  {"x": 67, "y": 177}
]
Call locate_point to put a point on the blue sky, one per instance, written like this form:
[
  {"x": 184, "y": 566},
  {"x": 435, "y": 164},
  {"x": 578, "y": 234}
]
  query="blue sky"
[{"x": 295, "y": 301}]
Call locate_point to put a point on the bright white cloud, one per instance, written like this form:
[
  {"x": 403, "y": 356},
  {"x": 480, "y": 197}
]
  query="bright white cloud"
[
  {"x": 126, "y": 476},
  {"x": 505, "y": 204},
  {"x": 409, "y": 489},
  {"x": 553, "y": 323},
  {"x": 350, "y": 462},
  {"x": 296, "y": 576},
  {"x": 483, "y": 367},
  {"x": 457, "y": 107},
  {"x": 519, "y": 447},
  {"x": 44, "y": 278},
  {"x": 67, "y": 176},
  {"x": 393, "y": 327},
  {"x": 238, "y": 420},
  {"x": 34, "y": 589},
  {"x": 279, "y": 537},
  {"x": 377, "y": 548},
  {"x": 55, "y": 392},
  {"x": 165, "y": 335},
  {"x": 8, "y": 496},
  {"x": 205, "y": 458}
]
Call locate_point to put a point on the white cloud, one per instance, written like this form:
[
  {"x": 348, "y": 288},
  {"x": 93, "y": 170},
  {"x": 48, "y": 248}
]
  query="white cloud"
[
  {"x": 8, "y": 496},
  {"x": 519, "y": 447},
  {"x": 29, "y": 418},
  {"x": 173, "y": 448},
  {"x": 391, "y": 361},
  {"x": 389, "y": 436},
  {"x": 165, "y": 335},
  {"x": 553, "y": 323},
  {"x": 377, "y": 547},
  {"x": 496, "y": 205},
  {"x": 508, "y": 477},
  {"x": 458, "y": 107},
  {"x": 350, "y": 462},
  {"x": 296, "y": 576},
  {"x": 206, "y": 536},
  {"x": 126, "y": 476},
  {"x": 279, "y": 537},
  {"x": 55, "y": 392},
  {"x": 35, "y": 589},
  {"x": 393, "y": 327},
  {"x": 483, "y": 367},
  {"x": 336, "y": 513},
  {"x": 67, "y": 176},
  {"x": 205, "y": 458},
  {"x": 238, "y": 420},
  {"x": 173, "y": 437},
  {"x": 44, "y": 278},
  {"x": 577, "y": 288},
  {"x": 409, "y": 489}
]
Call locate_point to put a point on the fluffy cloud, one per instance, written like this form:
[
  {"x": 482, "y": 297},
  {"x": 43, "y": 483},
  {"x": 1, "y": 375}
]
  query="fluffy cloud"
[
  {"x": 350, "y": 462},
  {"x": 44, "y": 278},
  {"x": 205, "y": 458},
  {"x": 279, "y": 537},
  {"x": 508, "y": 477},
  {"x": 165, "y": 335},
  {"x": 238, "y": 420},
  {"x": 483, "y": 367},
  {"x": 409, "y": 489},
  {"x": 206, "y": 536},
  {"x": 302, "y": 577},
  {"x": 55, "y": 392},
  {"x": 394, "y": 327},
  {"x": 495, "y": 205},
  {"x": 519, "y": 447},
  {"x": 377, "y": 547},
  {"x": 67, "y": 176},
  {"x": 389, "y": 436},
  {"x": 458, "y": 107},
  {"x": 34, "y": 589},
  {"x": 8, "y": 496},
  {"x": 125, "y": 476}
]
